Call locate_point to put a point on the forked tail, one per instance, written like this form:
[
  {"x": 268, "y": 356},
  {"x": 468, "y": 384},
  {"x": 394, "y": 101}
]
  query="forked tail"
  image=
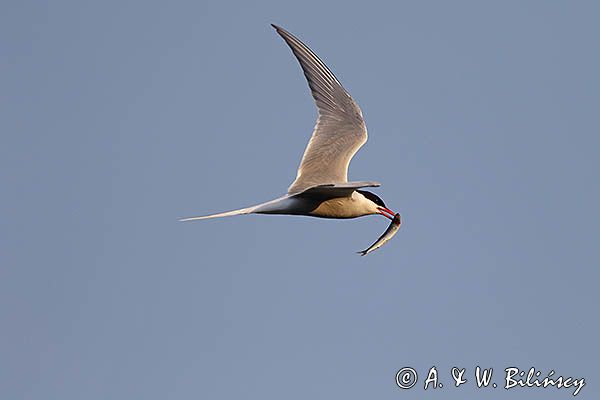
[
  {"x": 241, "y": 211},
  {"x": 269, "y": 207}
]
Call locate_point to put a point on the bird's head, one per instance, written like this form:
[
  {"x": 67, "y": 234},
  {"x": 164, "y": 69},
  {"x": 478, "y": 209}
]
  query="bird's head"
[{"x": 377, "y": 205}]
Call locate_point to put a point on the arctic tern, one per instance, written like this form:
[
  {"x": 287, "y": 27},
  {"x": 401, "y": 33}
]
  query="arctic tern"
[{"x": 321, "y": 188}]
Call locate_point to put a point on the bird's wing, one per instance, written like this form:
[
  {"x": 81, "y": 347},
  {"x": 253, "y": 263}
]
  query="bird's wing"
[
  {"x": 332, "y": 190},
  {"x": 340, "y": 130}
]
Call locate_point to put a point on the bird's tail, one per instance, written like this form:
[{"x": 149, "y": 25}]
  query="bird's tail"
[
  {"x": 241, "y": 211},
  {"x": 269, "y": 207}
]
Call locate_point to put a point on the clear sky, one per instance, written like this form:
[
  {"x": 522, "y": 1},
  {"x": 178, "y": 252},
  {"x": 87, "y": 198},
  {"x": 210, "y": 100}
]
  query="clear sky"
[{"x": 119, "y": 117}]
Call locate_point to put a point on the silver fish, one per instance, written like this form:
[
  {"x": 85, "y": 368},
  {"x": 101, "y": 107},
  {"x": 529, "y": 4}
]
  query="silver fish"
[{"x": 387, "y": 235}]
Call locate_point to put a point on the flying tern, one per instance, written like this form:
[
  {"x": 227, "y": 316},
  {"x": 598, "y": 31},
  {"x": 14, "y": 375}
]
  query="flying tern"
[{"x": 321, "y": 188}]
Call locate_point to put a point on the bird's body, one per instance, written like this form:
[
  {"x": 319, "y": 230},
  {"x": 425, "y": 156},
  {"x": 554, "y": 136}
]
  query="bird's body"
[
  {"x": 326, "y": 201},
  {"x": 321, "y": 188},
  {"x": 351, "y": 206}
]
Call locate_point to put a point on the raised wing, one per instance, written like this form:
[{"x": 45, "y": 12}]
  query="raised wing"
[{"x": 340, "y": 130}]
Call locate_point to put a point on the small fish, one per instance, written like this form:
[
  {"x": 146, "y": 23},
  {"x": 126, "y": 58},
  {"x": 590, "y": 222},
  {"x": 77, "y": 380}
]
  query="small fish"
[{"x": 387, "y": 235}]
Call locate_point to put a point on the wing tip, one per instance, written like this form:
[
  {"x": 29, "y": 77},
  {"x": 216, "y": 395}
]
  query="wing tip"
[{"x": 284, "y": 33}]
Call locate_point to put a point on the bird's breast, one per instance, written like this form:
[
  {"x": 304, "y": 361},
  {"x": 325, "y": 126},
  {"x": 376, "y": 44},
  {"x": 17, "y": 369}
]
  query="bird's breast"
[{"x": 343, "y": 207}]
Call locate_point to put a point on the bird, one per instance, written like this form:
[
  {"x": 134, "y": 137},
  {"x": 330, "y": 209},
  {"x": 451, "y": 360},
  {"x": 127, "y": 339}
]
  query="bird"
[{"x": 321, "y": 188}]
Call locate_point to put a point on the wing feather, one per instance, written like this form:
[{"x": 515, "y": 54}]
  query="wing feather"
[{"x": 340, "y": 129}]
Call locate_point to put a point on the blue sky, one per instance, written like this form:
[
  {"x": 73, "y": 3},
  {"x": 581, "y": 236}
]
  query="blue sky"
[{"x": 118, "y": 118}]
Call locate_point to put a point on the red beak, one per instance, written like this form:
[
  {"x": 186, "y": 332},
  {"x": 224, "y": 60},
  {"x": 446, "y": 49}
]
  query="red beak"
[{"x": 386, "y": 212}]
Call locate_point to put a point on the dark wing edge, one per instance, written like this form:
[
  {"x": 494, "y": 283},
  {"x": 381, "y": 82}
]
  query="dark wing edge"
[{"x": 329, "y": 94}]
